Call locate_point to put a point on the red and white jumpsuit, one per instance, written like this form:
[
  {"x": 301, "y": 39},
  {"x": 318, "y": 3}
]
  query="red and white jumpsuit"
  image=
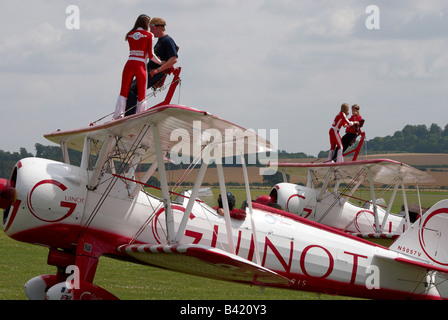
[
  {"x": 140, "y": 48},
  {"x": 341, "y": 120}
]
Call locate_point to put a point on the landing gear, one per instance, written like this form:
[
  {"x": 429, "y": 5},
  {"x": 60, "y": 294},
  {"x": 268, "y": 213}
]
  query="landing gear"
[{"x": 74, "y": 278}]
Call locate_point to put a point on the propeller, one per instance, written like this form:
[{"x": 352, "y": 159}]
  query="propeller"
[{"x": 8, "y": 194}]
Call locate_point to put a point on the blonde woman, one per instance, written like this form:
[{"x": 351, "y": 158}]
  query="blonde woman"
[{"x": 340, "y": 121}]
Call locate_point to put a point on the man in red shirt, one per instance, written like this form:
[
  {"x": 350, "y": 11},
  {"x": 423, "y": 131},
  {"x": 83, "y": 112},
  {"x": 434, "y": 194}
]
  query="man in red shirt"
[{"x": 335, "y": 139}]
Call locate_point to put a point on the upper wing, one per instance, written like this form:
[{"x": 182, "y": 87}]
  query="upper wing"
[
  {"x": 205, "y": 262},
  {"x": 176, "y": 124},
  {"x": 383, "y": 171}
]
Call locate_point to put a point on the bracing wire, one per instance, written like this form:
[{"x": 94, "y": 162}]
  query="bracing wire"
[{"x": 113, "y": 180}]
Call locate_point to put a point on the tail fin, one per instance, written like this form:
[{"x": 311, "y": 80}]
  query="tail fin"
[{"x": 427, "y": 239}]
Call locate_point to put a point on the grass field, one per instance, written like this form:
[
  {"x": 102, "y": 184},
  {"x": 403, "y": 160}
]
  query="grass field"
[{"x": 20, "y": 262}]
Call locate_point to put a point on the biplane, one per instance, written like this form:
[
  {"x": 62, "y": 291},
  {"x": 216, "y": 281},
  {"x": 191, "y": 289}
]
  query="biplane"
[
  {"x": 100, "y": 207},
  {"x": 327, "y": 196}
]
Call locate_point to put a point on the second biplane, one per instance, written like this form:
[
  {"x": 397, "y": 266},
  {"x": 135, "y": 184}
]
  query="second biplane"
[{"x": 328, "y": 194}]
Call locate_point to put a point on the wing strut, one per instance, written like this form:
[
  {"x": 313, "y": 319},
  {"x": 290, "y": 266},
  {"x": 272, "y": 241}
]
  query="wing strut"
[
  {"x": 389, "y": 207},
  {"x": 148, "y": 174},
  {"x": 325, "y": 184},
  {"x": 249, "y": 202},
  {"x": 372, "y": 194},
  {"x": 105, "y": 149},
  {"x": 164, "y": 186},
  {"x": 85, "y": 153},
  {"x": 65, "y": 152},
  {"x": 191, "y": 201},
  {"x": 225, "y": 204},
  {"x": 405, "y": 202}
]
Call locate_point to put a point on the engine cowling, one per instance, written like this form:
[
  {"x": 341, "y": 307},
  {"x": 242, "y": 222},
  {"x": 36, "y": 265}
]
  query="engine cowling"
[
  {"x": 50, "y": 195},
  {"x": 86, "y": 291},
  {"x": 36, "y": 288},
  {"x": 8, "y": 193},
  {"x": 49, "y": 287},
  {"x": 294, "y": 198}
]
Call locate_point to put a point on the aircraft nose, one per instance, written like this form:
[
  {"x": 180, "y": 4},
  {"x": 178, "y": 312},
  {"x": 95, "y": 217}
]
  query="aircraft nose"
[{"x": 8, "y": 194}]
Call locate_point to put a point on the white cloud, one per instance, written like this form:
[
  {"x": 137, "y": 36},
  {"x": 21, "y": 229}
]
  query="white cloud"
[
  {"x": 19, "y": 49},
  {"x": 330, "y": 23}
]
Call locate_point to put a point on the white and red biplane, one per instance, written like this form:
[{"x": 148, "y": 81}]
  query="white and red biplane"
[
  {"x": 100, "y": 208},
  {"x": 325, "y": 198}
]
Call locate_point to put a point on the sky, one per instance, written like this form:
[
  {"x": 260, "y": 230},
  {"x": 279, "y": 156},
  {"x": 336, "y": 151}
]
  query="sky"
[{"x": 283, "y": 66}]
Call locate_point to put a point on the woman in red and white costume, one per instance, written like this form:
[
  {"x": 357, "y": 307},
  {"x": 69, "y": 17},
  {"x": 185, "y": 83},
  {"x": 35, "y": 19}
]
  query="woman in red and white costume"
[
  {"x": 140, "y": 49},
  {"x": 340, "y": 121}
]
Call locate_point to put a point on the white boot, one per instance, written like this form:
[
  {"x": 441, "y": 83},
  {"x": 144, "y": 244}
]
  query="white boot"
[
  {"x": 340, "y": 158},
  {"x": 330, "y": 155},
  {"x": 120, "y": 107},
  {"x": 141, "y": 106}
]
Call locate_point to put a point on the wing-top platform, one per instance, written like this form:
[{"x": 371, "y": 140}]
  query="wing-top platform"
[
  {"x": 187, "y": 123},
  {"x": 382, "y": 171}
]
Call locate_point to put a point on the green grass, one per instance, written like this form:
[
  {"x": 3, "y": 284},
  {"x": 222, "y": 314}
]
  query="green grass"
[{"x": 20, "y": 262}]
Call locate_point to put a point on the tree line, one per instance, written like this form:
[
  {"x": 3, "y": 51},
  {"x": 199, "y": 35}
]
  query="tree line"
[{"x": 412, "y": 138}]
